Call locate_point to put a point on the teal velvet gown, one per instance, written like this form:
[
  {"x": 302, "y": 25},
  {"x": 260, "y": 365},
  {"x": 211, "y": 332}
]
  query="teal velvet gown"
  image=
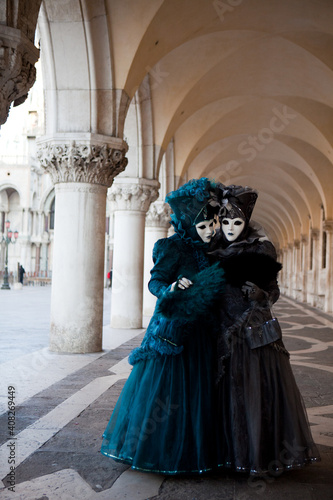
[{"x": 164, "y": 420}]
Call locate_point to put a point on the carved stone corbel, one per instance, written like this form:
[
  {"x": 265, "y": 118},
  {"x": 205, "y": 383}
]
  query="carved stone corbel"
[{"x": 18, "y": 57}]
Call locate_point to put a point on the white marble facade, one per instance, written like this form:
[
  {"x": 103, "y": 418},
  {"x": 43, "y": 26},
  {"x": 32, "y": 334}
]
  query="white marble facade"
[{"x": 26, "y": 194}]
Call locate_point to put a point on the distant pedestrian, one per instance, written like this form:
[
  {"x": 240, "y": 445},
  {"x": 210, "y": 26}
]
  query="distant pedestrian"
[
  {"x": 109, "y": 277},
  {"x": 21, "y": 274}
]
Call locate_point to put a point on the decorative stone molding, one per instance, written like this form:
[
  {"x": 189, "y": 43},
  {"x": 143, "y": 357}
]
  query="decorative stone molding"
[
  {"x": 158, "y": 215},
  {"x": 328, "y": 226},
  {"x": 315, "y": 234},
  {"x": 82, "y": 162},
  {"x": 133, "y": 196},
  {"x": 18, "y": 56},
  {"x": 80, "y": 188},
  {"x": 297, "y": 244},
  {"x": 304, "y": 239}
]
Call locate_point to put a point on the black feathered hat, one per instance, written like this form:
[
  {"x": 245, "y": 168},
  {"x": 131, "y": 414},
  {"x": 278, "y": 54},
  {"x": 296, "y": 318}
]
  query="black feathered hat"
[{"x": 237, "y": 201}]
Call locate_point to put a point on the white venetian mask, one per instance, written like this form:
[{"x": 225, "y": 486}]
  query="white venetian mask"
[
  {"x": 232, "y": 228},
  {"x": 206, "y": 230}
]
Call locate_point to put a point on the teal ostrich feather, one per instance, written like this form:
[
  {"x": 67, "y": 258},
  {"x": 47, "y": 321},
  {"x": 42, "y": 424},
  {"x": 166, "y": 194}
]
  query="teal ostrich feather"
[{"x": 196, "y": 301}]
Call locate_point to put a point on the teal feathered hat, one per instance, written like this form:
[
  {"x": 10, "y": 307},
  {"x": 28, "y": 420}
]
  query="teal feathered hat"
[{"x": 192, "y": 203}]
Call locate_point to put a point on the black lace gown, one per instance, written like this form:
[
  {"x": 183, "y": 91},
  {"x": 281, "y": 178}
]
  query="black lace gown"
[{"x": 262, "y": 421}]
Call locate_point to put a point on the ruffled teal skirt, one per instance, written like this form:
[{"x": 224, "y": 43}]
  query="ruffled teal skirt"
[{"x": 164, "y": 419}]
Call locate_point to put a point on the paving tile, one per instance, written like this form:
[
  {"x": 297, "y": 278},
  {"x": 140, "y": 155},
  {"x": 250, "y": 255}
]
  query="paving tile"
[{"x": 72, "y": 453}]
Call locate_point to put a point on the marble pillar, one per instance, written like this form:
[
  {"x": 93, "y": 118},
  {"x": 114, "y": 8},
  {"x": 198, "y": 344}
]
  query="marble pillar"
[
  {"x": 304, "y": 267},
  {"x": 24, "y": 240},
  {"x": 37, "y": 259},
  {"x": 130, "y": 199},
  {"x": 290, "y": 258},
  {"x": 297, "y": 269},
  {"x": 285, "y": 270},
  {"x": 316, "y": 264},
  {"x": 328, "y": 305},
  {"x": 81, "y": 171},
  {"x": 157, "y": 226},
  {"x": 44, "y": 258},
  {"x": 40, "y": 224}
]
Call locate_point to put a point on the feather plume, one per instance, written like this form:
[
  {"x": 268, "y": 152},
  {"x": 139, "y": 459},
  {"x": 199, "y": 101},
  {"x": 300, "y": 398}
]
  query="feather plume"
[{"x": 197, "y": 300}]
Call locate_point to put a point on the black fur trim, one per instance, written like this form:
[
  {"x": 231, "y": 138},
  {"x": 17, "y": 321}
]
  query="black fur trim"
[{"x": 258, "y": 268}]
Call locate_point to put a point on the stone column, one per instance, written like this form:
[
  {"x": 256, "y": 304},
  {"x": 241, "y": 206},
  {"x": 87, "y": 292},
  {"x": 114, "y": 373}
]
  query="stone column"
[
  {"x": 25, "y": 222},
  {"x": 316, "y": 261},
  {"x": 305, "y": 267},
  {"x": 290, "y": 255},
  {"x": 328, "y": 227},
  {"x": 37, "y": 259},
  {"x": 157, "y": 226},
  {"x": 82, "y": 171},
  {"x": 297, "y": 269},
  {"x": 24, "y": 239},
  {"x": 282, "y": 274},
  {"x": 44, "y": 258},
  {"x": 40, "y": 223},
  {"x": 130, "y": 199}
]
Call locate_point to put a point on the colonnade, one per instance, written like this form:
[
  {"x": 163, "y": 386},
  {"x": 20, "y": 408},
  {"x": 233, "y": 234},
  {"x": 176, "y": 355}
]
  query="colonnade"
[
  {"x": 82, "y": 172},
  {"x": 307, "y": 273},
  {"x": 98, "y": 89}
]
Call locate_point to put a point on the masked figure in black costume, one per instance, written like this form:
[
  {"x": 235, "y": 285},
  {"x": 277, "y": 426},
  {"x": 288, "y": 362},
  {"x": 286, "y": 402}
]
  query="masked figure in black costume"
[{"x": 262, "y": 420}]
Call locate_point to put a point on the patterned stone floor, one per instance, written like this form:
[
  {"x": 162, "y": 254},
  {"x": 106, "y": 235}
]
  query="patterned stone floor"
[{"x": 63, "y": 403}]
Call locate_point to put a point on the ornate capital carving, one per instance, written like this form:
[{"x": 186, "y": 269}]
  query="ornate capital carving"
[
  {"x": 328, "y": 226},
  {"x": 18, "y": 56},
  {"x": 158, "y": 215},
  {"x": 135, "y": 196},
  {"x": 297, "y": 244},
  {"x": 82, "y": 162},
  {"x": 315, "y": 234},
  {"x": 304, "y": 239}
]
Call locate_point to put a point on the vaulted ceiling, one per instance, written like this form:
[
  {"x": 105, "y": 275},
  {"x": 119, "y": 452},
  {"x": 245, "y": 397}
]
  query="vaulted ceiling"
[{"x": 243, "y": 88}]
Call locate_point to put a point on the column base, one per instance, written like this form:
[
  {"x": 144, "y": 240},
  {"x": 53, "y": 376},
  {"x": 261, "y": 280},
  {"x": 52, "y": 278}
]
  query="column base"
[{"x": 71, "y": 340}]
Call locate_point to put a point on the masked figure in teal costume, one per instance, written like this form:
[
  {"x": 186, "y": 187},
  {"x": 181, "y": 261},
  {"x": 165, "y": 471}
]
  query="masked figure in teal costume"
[{"x": 164, "y": 420}]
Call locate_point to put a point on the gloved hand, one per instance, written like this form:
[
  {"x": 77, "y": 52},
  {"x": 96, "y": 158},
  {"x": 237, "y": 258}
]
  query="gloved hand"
[
  {"x": 181, "y": 283},
  {"x": 253, "y": 292}
]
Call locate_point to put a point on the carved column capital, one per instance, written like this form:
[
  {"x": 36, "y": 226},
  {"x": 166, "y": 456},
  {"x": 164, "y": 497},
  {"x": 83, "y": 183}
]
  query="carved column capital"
[
  {"x": 18, "y": 56},
  {"x": 297, "y": 244},
  {"x": 158, "y": 215},
  {"x": 304, "y": 239},
  {"x": 328, "y": 226},
  {"x": 315, "y": 234},
  {"x": 136, "y": 195},
  {"x": 83, "y": 160}
]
